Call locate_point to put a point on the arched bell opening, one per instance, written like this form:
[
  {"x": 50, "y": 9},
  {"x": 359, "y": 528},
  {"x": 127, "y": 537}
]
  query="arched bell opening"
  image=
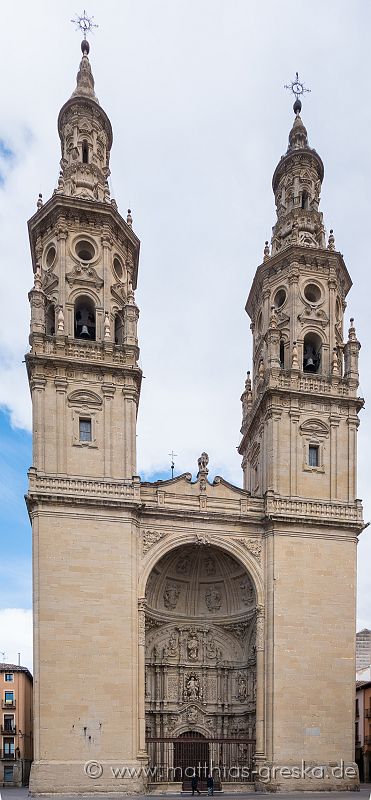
[
  {"x": 119, "y": 329},
  {"x": 85, "y": 326},
  {"x": 200, "y": 657},
  {"x": 85, "y": 152},
  {"x": 50, "y": 320},
  {"x": 312, "y": 353}
]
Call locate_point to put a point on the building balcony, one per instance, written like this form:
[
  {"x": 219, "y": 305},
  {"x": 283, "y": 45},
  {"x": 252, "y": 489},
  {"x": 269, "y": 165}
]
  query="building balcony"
[
  {"x": 358, "y": 743},
  {"x": 7, "y": 730},
  {"x": 7, "y": 756},
  {"x": 367, "y": 712},
  {"x": 5, "y": 704}
]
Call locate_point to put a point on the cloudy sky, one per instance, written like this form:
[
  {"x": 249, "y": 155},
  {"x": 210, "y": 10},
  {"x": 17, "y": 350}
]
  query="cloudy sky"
[{"x": 194, "y": 90}]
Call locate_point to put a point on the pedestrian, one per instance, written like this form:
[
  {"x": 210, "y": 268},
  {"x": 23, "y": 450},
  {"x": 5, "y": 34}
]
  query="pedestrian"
[
  {"x": 210, "y": 784},
  {"x": 194, "y": 784}
]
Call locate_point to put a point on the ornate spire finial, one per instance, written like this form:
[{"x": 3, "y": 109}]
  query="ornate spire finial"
[
  {"x": 266, "y": 250},
  {"x": 86, "y": 25},
  {"x": 39, "y": 203},
  {"x": 129, "y": 218},
  {"x": 297, "y": 88}
]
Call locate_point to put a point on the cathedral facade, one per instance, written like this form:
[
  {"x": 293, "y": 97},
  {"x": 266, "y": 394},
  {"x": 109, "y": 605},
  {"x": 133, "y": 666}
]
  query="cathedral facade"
[{"x": 186, "y": 621}]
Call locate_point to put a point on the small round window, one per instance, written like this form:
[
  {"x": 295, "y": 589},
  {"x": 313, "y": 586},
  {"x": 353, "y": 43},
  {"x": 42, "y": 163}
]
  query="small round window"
[
  {"x": 280, "y": 297},
  {"x": 117, "y": 266},
  {"x": 312, "y": 293},
  {"x": 50, "y": 256},
  {"x": 85, "y": 250}
]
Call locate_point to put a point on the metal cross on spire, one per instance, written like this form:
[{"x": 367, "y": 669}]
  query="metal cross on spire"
[
  {"x": 172, "y": 456},
  {"x": 298, "y": 88},
  {"x": 84, "y": 23}
]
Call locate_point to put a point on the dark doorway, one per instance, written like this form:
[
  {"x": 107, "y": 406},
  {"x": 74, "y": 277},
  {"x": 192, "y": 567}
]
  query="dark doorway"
[{"x": 191, "y": 754}]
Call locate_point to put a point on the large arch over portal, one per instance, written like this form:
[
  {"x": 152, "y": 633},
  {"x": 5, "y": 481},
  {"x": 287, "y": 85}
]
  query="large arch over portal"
[{"x": 200, "y": 653}]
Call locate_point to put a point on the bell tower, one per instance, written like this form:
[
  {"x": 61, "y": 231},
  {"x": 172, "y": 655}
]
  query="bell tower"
[
  {"x": 300, "y": 407},
  {"x": 85, "y": 385},
  {"x": 299, "y": 455},
  {"x": 83, "y": 312}
]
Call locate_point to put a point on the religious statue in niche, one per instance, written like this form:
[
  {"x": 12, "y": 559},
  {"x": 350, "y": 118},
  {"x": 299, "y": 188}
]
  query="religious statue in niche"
[
  {"x": 171, "y": 649},
  {"x": 171, "y": 596},
  {"x": 193, "y": 691},
  {"x": 192, "y": 645},
  {"x": 241, "y": 687},
  {"x": 247, "y": 592},
  {"x": 213, "y": 598}
]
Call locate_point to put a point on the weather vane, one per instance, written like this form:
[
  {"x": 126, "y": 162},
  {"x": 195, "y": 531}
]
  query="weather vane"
[
  {"x": 298, "y": 88},
  {"x": 84, "y": 23},
  {"x": 172, "y": 456}
]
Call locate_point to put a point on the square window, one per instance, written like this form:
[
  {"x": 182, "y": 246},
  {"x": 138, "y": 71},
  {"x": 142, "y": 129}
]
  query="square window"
[
  {"x": 8, "y": 747},
  {"x": 85, "y": 432},
  {"x": 9, "y": 677},
  {"x": 9, "y": 697},
  {"x": 8, "y": 774},
  {"x": 313, "y": 459}
]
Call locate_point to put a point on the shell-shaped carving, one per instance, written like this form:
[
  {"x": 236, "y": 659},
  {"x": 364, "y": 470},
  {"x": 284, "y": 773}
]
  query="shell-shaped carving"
[{"x": 83, "y": 397}]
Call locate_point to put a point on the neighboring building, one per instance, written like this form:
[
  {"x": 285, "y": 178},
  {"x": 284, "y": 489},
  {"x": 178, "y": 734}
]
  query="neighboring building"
[
  {"x": 363, "y": 649},
  {"x": 363, "y": 730},
  {"x": 184, "y": 619},
  {"x": 16, "y": 725}
]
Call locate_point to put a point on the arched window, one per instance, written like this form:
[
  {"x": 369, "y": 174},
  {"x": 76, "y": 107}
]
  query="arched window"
[
  {"x": 85, "y": 153},
  {"x": 282, "y": 354},
  {"x": 50, "y": 320},
  {"x": 119, "y": 329},
  {"x": 84, "y": 318},
  {"x": 312, "y": 353},
  {"x": 305, "y": 200}
]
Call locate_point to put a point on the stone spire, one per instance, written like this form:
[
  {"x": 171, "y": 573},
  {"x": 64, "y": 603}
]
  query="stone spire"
[
  {"x": 86, "y": 139},
  {"x": 296, "y": 184},
  {"x": 84, "y": 78}
]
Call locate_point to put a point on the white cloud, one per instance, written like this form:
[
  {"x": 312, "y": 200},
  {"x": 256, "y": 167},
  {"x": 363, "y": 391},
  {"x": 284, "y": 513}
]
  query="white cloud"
[
  {"x": 195, "y": 95},
  {"x": 16, "y": 636}
]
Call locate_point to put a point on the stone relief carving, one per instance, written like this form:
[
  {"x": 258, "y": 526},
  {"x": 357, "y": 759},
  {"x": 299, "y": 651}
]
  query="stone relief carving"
[
  {"x": 253, "y": 545},
  {"x": 150, "y": 538},
  {"x": 213, "y": 599},
  {"x": 192, "y": 690},
  {"x": 247, "y": 592},
  {"x": 192, "y": 714},
  {"x": 183, "y": 565},
  {"x": 171, "y": 595},
  {"x": 209, "y": 565}
]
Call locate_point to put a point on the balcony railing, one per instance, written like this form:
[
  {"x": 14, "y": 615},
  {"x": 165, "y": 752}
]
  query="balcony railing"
[
  {"x": 5, "y": 704},
  {"x": 8, "y": 730},
  {"x": 7, "y": 756},
  {"x": 367, "y": 712}
]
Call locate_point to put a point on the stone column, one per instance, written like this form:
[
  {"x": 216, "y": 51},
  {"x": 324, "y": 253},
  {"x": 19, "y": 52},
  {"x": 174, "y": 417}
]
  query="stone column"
[
  {"x": 142, "y": 604},
  {"x": 130, "y": 413},
  {"x": 334, "y": 424},
  {"x": 61, "y": 384},
  {"x": 294, "y": 444},
  {"x": 38, "y": 406},
  {"x": 108, "y": 392},
  {"x": 260, "y": 641}
]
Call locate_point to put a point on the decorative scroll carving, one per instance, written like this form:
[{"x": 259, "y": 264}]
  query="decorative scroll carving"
[{"x": 150, "y": 538}]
